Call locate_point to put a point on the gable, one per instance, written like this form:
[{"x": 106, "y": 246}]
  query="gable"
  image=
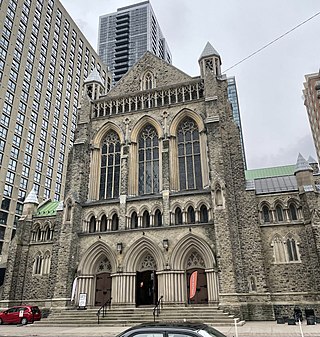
[{"x": 164, "y": 73}]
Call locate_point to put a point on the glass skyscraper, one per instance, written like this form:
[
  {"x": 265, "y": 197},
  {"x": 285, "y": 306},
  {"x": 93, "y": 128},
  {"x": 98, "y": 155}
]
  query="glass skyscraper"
[
  {"x": 124, "y": 36},
  {"x": 233, "y": 99}
]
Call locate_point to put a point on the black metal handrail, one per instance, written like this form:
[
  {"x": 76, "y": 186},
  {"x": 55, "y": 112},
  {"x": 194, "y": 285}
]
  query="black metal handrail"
[
  {"x": 157, "y": 308},
  {"x": 103, "y": 309}
]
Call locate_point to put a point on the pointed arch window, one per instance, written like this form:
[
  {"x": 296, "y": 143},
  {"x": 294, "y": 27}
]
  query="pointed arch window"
[
  {"x": 178, "y": 216},
  {"x": 146, "y": 219},
  {"x": 190, "y": 215},
  {"x": 103, "y": 224},
  {"x": 115, "y": 222},
  {"x": 148, "y": 82},
  {"x": 189, "y": 155},
  {"x": 92, "y": 225},
  {"x": 148, "y": 161},
  {"x": 46, "y": 263},
  {"x": 203, "y": 214},
  {"x": 134, "y": 220},
  {"x": 292, "y": 250},
  {"x": 157, "y": 218},
  {"x": 110, "y": 166},
  {"x": 293, "y": 212},
  {"x": 266, "y": 214},
  {"x": 279, "y": 213},
  {"x": 37, "y": 264}
]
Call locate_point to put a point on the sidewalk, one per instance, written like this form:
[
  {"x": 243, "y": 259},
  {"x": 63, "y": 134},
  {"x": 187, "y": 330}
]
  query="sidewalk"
[{"x": 249, "y": 329}]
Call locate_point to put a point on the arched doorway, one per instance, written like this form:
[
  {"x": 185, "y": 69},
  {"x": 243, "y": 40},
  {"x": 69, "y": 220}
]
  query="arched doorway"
[
  {"x": 195, "y": 264},
  {"x": 103, "y": 282},
  {"x": 146, "y": 282}
]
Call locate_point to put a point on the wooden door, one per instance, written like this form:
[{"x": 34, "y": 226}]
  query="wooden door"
[{"x": 103, "y": 288}]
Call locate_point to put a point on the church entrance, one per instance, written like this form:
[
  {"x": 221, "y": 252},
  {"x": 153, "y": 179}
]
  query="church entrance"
[
  {"x": 147, "y": 288},
  {"x": 201, "y": 293},
  {"x": 103, "y": 288}
]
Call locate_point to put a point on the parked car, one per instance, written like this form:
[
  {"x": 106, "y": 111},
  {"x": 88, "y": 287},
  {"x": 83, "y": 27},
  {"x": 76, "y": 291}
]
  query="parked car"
[
  {"x": 21, "y": 314},
  {"x": 172, "y": 329}
]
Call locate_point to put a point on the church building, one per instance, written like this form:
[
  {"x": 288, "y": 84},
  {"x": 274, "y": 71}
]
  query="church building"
[{"x": 156, "y": 191}]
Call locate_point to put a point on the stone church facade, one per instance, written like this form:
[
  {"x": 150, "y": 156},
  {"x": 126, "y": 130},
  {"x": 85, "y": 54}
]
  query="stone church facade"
[{"x": 156, "y": 190}]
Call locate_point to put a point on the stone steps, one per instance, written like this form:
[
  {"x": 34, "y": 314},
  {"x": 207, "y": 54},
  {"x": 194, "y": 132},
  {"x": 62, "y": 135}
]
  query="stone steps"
[{"x": 132, "y": 316}]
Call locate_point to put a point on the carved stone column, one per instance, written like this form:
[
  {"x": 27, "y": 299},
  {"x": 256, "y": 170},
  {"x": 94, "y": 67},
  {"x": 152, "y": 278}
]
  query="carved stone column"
[{"x": 123, "y": 291}]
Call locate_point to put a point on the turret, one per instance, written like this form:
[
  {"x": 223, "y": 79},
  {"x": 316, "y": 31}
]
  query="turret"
[
  {"x": 314, "y": 164},
  {"x": 304, "y": 174},
  {"x": 30, "y": 204},
  {"x": 93, "y": 85},
  {"x": 210, "y": 61}
]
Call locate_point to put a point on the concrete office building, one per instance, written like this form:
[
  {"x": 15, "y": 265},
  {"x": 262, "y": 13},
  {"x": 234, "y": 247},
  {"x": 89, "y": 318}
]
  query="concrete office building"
[
  {"x": 124, "y": 36},
  {"x": 43, "y": 60},
  {"x": 311, "y": 94}
]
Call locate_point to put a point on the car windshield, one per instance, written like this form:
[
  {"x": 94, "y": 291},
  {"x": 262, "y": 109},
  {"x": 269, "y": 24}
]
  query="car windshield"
[
  {"x": 210, "y": 332},
  {"x": 35, "y": 310}
]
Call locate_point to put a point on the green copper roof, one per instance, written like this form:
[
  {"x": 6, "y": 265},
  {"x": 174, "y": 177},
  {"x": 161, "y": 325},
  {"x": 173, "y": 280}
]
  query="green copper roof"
[
  {"x": 48, "y": 209},
  {"x": 270, "y": 172}
]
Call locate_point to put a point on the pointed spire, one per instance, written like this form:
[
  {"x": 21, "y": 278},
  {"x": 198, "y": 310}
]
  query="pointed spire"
[
  {"x": 208, "y": 51},
  {"x": 32, "y": 197},
  {"x": 311, "y": 160},
  {"x": 302, "y": 165},
  {"x": 94, "y": 76}
]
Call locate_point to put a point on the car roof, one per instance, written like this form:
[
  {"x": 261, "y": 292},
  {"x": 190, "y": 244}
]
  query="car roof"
[{"x": 170, "y": 325}]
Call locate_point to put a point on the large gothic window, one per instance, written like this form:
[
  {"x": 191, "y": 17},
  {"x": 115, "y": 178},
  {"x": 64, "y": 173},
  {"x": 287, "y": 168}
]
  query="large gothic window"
[
  {"x": 148, "y": 161},
  {"x": 110, "y": 167},
  {"x": 189, "y": 155}
]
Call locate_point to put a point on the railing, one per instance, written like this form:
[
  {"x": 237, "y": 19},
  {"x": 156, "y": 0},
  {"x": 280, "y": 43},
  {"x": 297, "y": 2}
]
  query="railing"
[
  {"x": 103, "y": 309},
  {"x": 157, "y": 308}
]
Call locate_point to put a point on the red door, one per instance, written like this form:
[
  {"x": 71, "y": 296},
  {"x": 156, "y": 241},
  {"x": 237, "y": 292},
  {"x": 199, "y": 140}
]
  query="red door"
[{"x": 103, "y": 288}]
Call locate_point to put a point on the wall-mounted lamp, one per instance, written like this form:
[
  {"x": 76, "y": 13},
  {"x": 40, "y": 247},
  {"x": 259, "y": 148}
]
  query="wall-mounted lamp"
[
  {"x": 165, "y": 244},
  {"x": 119, "y": 247}
]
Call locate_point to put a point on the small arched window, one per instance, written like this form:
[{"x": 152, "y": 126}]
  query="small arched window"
[
  {"x": 68, "y": 212},
  {"x": 203, "y": 214},
  {"x": 292, "y": 250},
  {"x": 47, "y": 234},
  {"x": 293, "y": 212},
  {"x": 46, "y": 263},
  {"x": 178, "y": 216},
  {"x": 92, "y": 225},
  {"x": 279, "y": 213},
  {"x": 37, "y": 264},
  {"x": 252, "y": 283},
  {"x": 103, "y": 224},
  {"x": 190, "y": 215},
  {"x": 157, "y": 218},
  {"x": 146, "y": 219},
  {"x": 134, "y": 220},
  {"x": 266, "y": 214},
  {"x": 115, "y": 222},
  {"x": 148, "y": 81}
]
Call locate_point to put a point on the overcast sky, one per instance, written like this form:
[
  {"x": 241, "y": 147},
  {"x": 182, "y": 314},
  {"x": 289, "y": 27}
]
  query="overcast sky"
[{"x": 274, "y": 119}]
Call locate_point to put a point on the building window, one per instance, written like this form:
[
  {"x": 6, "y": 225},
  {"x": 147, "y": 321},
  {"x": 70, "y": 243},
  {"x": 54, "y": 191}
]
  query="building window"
[
  {"x": 110, "y": 167},
  {"x": 115, "y": 222},
  {"x": 266, "y": 214},
  {"x": 92, "y": 225},
  {"x": 203, "y": 214},
  {"x": 189, "y": 155},
  {"x": 279, "y": 213},
  {"x": 178, "y": 216},
  {"x": 190, "y": 215},
  {"x": 148, "y": 81},
  {"x": 146, "y": 219},
  {"x": 37, "y": 264},
  {"x": 285, "y": 250},
  {"x": 293, "y": 212},
  {"x": 134, "y": 220},
  {"x": 292, "y": 250},
  {"x": 157, "y": 218},
  {"x": 148, "y": 161},
  {"x": 103, "y": 224}
]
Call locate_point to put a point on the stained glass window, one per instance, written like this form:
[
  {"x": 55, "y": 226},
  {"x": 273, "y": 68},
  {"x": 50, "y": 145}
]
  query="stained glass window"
[
  {"x": 189, "y": 155},
  {"x": 110, "y": 167},
  {"x": 148, "y": 161}
]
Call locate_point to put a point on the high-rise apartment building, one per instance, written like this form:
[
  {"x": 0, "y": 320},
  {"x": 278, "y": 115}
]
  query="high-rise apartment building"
[
  {"x": 124, "y": 36},
  {"x": 44, "y": 59},
  {"x": 233, "y": 99},
  {"x": 311, "y": 94}
]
